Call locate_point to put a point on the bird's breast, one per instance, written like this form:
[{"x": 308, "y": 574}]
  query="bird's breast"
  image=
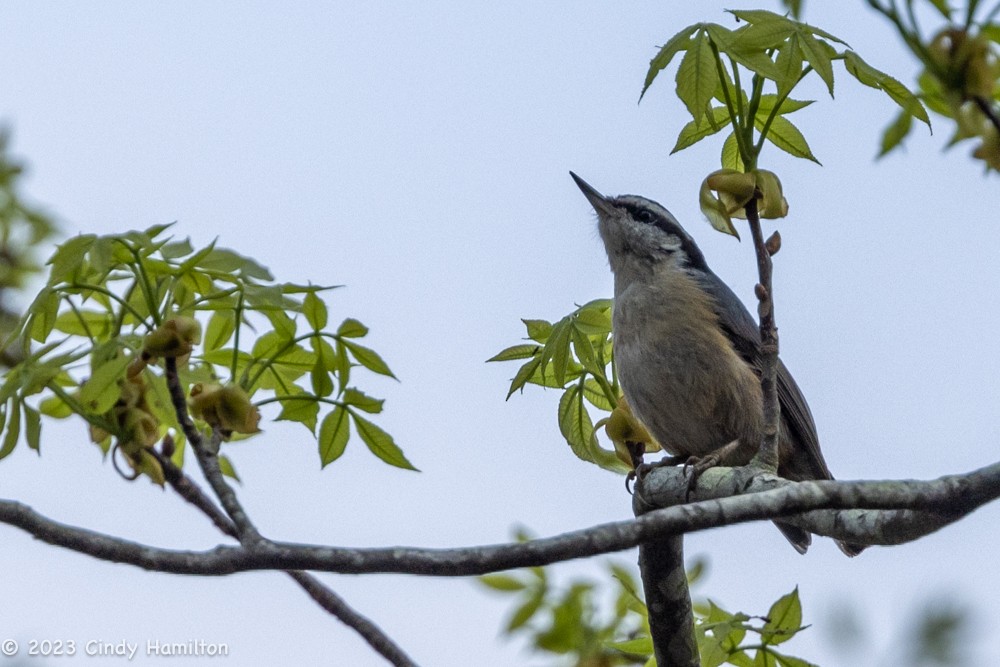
[{"x": 678, "y": 370}]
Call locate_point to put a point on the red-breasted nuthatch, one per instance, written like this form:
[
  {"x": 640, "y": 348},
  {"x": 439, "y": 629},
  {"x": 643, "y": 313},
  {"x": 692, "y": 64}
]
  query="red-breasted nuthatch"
[{"x": 687, "y": 351}]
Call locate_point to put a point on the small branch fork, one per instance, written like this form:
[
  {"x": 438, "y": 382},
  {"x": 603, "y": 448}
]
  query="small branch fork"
[{"x": 237, "y": 524}]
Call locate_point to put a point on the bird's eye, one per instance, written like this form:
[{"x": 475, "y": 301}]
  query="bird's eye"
[{"x": 644, "y": 215}]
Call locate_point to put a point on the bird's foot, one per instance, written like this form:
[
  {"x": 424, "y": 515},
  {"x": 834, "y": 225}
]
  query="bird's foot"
[
  {"x": 640, "y": 471},
  {"x": 698, "y": 465}
]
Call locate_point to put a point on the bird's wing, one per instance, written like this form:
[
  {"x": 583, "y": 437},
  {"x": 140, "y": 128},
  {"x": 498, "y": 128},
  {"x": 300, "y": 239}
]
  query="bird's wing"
[{"x": 744, "y": 333}]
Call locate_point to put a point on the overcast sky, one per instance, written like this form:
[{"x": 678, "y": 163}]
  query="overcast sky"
[{"x": 418, "y": 154}]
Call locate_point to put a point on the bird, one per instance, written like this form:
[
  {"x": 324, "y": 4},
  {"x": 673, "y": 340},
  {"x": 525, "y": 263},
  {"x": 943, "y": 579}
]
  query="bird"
[{"x": 688, "y": 352}]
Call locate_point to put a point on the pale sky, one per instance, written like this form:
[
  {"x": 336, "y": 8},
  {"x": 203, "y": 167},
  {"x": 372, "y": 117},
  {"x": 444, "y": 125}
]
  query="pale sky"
[{"x": 418, "y": 154}]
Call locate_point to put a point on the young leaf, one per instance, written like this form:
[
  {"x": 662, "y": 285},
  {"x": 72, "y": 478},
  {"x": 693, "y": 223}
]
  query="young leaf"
[
  {"x": 538, "y": 330},
  {"x": 697, "y": 77},
  {"x": 784, "y": 619},
  {"x": 788, "y": 65},
  {"x": 515, "y": 352},
  {"x": 68, "y": 257},
  {"x": 351, "y": 328},
  {"x": 362, "y": 401},
  {"x": 731, "y": 154},
  {"x": 879, "y": 80},
  {"x": 896, "y": 132},
  {"x": 319, "y": 378},
  {"x": 501, "y": 582},
  {"x": 380, "y": 443},
  {"x": 32, "y": 427},
  {"x": 221, "y": 327},
  {"x": 575, "y": 424},
  {"x": 695, "y": 131},
  {"x": 368, "y": 358},
  {"x": 524, "y": 373},
  {"x": 783, "y": 134},
  {"x": 304, "y": 410},
  {"x": 334, "y": 433},
  {"x": 227, "y": 468},
  {"x": 315, "y": 311},
  {"x": 819, "y": 55},
  {"x": 101, "y": 390},
  {"x": 675, "y": 44},
  {"x": 13, "y": 428}
]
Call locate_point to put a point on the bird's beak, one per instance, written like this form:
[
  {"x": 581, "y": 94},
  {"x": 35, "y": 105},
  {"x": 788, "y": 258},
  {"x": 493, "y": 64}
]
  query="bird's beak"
[{"x": 596, "y": 199}]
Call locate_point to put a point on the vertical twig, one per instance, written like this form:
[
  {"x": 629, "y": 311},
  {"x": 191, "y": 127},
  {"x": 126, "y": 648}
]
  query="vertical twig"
[{"x": 767, "y": 456}]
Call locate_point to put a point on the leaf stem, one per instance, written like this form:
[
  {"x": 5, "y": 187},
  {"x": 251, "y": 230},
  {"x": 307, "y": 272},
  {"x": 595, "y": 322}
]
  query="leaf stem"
[{"x": 733, "y": 116}]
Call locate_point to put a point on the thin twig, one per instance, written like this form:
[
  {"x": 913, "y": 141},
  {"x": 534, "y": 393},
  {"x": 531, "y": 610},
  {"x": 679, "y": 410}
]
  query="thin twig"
[
  {"x": 321, "y": 594},
  {"x": 767, "y": 456},
  {"x": 988, "y": 110},
  {"x": 209, "y": 460},
  {"x": 334, "y": 604}
]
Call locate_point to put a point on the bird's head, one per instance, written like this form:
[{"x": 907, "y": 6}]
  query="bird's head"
[{"x": 636, "y": 229}]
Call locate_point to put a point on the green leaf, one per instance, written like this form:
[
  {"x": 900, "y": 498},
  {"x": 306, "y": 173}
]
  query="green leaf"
[
  {"x": 765, "y": 658},
  {"x": 784, "y": 619},
  {"x": 351, "y": 328},
  {"x": 638, "y": 646},
  {"x": 221, "y": 327},
  {"x": 789, "y": 661},
  {"x": 44, "y": 314},
  {"x": 819, "y": 55},
  {"x": 524, "y": 373},
  {"x": 753, "y": 58},
  {"x": 516, "y": 352},
  {"x": 368, "y": 358},
  {"x": 54, "y": 407},
  {"x": 228, "y": 261},
  {"x": 787, "y": 137},
  {"x": 319, "y": 377},
  {"x": 501, "y": 582},
  {"x": 101, "y": 390},
  {"x": 788, "y": 105},
  {"x": 594, "y": 394},
  {"x": 227, "y": 468},
  {"x": 576, "y": 426},
  {"x": 13, "y": 420},
  {"x": 362, "y": 401},
  {"x": 896, "y": 132},
  {"x": 697, "y": 77},
  {"x": 557, "y": 348},
  {"x": 283, "y": 325},
  {"x": 334, "y": 433},
  {"x": 716, "y": 120},
  {"x": 304, "y": 410},
  {"x": 69, "y": 257},
  {"x": 538, "y": 330},
  {"x": 879, "y": 80},
  {"x": 315, "y": 311},
  {"x": 526, "y": 611},
  {"x": 943, "y": 8},
  {"x": 85, "y": 323},
  {"x": 674, "y": 45},
  {"x": 32, "y": 427},
  {"x": 731, "y": 153},
  {"x": 740, "y": 659},
  {"x": 176, "y": 249},
  {"x": 380, "y": 443},
  {"x": 788, "y": 65}
]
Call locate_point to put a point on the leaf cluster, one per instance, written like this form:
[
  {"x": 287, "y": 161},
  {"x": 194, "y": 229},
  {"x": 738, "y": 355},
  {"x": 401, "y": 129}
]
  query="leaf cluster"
[
  {"x": 774, "y": 54},
  {"x": 565, "y": 620},
  {"x": 573, "y": 355},
  {"x": 960, "y": 79},
  {"x": 115, "y": 304}
]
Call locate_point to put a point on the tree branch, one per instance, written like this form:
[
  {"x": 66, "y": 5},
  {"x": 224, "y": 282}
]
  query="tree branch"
[
  {"x": 322, "y": 595},
  {"x": 208, "y": 460},
  {"x": 944, "y": 500},
  {"x": 671, "y": 621}
]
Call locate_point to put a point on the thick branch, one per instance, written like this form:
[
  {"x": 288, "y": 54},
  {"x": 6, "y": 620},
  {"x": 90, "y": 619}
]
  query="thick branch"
[
  {"x": 949, "y": 498},
  {"x": 671, "y": 621}
]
